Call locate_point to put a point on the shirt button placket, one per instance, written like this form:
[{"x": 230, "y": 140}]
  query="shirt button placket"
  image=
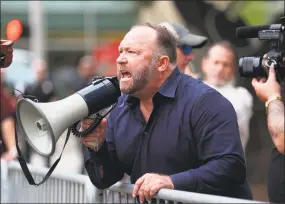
[{"x": 145, "y": 137}]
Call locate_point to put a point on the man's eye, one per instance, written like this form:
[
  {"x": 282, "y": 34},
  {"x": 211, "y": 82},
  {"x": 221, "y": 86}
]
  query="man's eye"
[{"x": 132, "y": 52}]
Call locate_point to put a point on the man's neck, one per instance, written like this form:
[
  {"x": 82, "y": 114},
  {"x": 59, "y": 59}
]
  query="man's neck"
[
  {"x": 147, "y": 94},
  {"x": 226, "y": 84}
]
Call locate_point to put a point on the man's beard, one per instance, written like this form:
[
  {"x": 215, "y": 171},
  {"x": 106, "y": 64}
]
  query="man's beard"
[{"x": 141, "y": 78}]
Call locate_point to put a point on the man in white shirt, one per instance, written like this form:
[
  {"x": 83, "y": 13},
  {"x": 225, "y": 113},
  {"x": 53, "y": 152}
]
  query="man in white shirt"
[{"x": 219, "y": 68}]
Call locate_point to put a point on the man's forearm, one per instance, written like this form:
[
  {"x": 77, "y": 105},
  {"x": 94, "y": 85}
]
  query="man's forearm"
[
  {"x": 275, "y": 122},
  {"x": 102, "y": 168},
  {"x": 213, "y": 177}
]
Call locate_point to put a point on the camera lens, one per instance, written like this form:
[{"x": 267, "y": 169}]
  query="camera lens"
[{"x": 251, "y": 67}]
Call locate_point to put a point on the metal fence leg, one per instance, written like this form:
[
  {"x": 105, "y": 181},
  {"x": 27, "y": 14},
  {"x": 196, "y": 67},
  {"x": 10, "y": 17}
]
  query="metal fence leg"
[
  {"x": 4, "y": 182},
  {"x": 93, "y": 195}
]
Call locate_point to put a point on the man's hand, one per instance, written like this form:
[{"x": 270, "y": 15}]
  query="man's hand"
[
  {"x": 7, "y": 51},
  {"x": 95, "y": 139},
  {"x": 149, "y": 184},
  {"x": 266, "y": 90},
  {"x": 9, "y": 155}
]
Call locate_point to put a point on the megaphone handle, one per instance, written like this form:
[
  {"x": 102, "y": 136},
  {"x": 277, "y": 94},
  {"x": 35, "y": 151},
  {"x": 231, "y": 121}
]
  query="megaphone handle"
[{"x": 24, "y": 165}]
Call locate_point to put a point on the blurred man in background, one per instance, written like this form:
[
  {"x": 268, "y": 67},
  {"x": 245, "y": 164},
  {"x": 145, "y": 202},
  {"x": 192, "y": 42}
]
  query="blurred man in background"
[
  {"x": 272, "y": 94},
  {"x": 7, "y": 135},
  {"x": 186, "y": 42},
  {"x": 43, "y": 89},
  {"x": 85, "y": 73},
  {"x": 219, "y": 68},
  {"x": 8, "y": 151}
]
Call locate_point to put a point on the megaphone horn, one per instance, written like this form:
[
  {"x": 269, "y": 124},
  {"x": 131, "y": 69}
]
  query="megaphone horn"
[{"x": 43, "y": 123}]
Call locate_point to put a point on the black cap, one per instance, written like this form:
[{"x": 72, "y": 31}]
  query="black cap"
[{"x": 184, "y": 36}]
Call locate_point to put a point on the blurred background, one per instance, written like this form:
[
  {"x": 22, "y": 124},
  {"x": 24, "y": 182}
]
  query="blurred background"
[{"x": 78, "y": 39}]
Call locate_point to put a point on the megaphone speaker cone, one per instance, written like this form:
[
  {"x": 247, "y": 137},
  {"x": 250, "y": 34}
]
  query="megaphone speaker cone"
[
  {"x": 35, "y": 127},
  {"x": 43, "y": 123}
]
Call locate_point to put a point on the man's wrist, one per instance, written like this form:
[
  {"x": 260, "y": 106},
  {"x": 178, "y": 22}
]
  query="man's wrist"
[
  {"x": 13, "y": 151},
  {"x": 271, "y": 99},
  {"x": 171, "y": 185}
]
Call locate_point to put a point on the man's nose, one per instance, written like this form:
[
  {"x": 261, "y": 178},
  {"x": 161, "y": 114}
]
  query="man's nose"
[
  {"x": 219, "y": 68},
  {"x": 121, "y": 59},
  {"x": 191, "y": 56}
]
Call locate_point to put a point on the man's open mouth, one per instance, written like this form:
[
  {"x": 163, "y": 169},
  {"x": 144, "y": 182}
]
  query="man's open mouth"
[{"x": 125, "y": 74}]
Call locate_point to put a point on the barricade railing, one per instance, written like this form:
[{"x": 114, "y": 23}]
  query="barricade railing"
[
  {"x": 121, "y": 193},
  {"x": 77, "y": 188}
]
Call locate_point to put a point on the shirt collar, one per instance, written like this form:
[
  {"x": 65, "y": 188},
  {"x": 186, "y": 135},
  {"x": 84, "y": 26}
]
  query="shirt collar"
[{"x": 168, "y": 88}]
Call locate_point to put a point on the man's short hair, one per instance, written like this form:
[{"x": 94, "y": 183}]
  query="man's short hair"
[{"x": 165, "y": 40}]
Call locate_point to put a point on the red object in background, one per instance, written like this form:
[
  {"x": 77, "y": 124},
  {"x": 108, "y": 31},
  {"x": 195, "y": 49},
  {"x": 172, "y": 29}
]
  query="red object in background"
[
  {"x": 105, "y": 58},
  {"x": 14, "y": 30}
]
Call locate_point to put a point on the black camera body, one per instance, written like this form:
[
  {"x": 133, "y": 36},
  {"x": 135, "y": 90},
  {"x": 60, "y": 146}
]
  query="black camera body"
[{"x": 258, "y": 67}]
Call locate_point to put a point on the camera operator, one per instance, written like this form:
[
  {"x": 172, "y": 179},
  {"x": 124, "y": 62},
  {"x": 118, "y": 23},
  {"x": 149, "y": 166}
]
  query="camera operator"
[{"x": 269, "y": 91}]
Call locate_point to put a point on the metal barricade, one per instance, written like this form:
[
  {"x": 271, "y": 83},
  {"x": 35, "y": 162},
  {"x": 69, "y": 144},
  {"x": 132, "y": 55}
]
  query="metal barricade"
[
  {"x": 59, "y": 188},
  {"x": 77, "y": 188}
]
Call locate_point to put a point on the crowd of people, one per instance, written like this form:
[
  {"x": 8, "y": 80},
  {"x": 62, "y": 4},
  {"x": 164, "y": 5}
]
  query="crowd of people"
[{"x": 172, "y": 128}]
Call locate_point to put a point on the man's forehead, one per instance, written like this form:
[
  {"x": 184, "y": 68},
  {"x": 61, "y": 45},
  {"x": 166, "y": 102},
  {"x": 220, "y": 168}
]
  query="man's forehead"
[
  {"x": 142, "y": 35},
  {"x": 218, "y": 50}
]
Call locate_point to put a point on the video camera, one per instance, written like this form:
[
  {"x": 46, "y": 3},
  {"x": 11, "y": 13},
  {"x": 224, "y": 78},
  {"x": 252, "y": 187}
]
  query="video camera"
[{"x": 258, "y": 67}]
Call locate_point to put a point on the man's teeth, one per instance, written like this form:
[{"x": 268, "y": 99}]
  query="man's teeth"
[{"x": 126, "y": 75}]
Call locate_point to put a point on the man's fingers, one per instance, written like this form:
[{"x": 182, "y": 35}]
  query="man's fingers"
[
  {"x": 91, "y": 145},
  {"x": 137, "y": 186},
  {"x": 272, "y": 74},
  {"x": 146, "y": 194},
  {"x": 146, "y": 187},
  {"x": 141, "y": 196},
  {"x": 103, "y": 124},
  {"x": 93, "y": 137},
  {"x": 254, "y": 82},
  {"x": 7, "y": 42},
  {"x": 85, "y": 124},
  {"x": 154, "y": 189},
  {"x": 262, "y": 80}
]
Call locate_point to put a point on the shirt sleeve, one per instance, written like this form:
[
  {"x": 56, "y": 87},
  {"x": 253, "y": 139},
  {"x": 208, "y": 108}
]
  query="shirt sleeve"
[
  {"x": 220, "y": 155},
  {"x": 105, "y": 158}
]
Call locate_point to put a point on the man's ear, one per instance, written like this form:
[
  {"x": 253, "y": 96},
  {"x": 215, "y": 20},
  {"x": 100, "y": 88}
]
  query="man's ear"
[
  {"x": 163, "y": 63},
  {"x": 203, "y": 64}
]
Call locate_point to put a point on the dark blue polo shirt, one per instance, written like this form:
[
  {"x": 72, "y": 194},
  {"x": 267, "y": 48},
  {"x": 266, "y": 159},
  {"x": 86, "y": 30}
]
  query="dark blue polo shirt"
[{"x": 192, "y": 136}]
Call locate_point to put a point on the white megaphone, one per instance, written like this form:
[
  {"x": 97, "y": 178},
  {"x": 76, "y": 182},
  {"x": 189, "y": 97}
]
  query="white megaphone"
[{"x": 44, "y": 123}]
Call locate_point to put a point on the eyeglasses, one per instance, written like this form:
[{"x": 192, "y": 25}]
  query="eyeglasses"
[{"x": 186, "y": 49}]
